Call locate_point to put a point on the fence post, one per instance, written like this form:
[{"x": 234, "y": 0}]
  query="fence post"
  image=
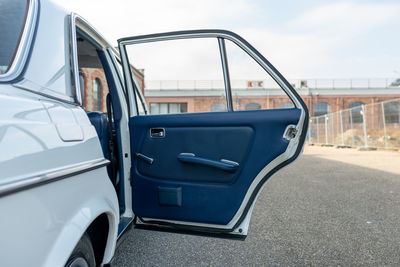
[
  {"x": 341, "y": 126},
  {"x": 384, "y": 124},
  {"x": 326, "y": 129},
  {"x": 364, "y": 126},
  {"x": 333, "y": 127},
  {"x": 309, "y": 131},
  {"x": 351, "y": 126},
  {"x": 317, "y": 118}
]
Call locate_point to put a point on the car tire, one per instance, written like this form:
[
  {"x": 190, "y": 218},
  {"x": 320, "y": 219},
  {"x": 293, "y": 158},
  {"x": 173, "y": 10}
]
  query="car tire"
[{"x": 83, "y": 254}]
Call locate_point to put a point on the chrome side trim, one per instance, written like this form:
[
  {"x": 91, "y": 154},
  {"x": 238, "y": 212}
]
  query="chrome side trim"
[
  {"x": 53, "y": 175},
  {"x": 22, "y": 51}
]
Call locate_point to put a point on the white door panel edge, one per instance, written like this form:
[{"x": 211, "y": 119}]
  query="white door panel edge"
[{"x": 125, "y": 137}]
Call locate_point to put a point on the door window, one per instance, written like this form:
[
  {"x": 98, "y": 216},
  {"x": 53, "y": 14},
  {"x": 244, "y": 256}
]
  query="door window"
[
  {"x": 187, "y": 75},
  {"x": 180, "y": 76},
  {"x": 252, "y": 87},
  {"x": 92, "y": 79}
]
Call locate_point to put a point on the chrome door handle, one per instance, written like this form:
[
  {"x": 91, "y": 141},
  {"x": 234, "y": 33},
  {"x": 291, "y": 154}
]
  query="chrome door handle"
[{"x": 157, "y": 132}]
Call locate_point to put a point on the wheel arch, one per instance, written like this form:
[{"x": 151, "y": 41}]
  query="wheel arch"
[
  {"x": 91, "y": 217},
  {"x": 98, "y": 233}
]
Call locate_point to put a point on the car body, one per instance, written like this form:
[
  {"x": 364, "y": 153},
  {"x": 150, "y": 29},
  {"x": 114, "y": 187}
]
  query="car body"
[
  {"x": 395, "y": 83},
  {"x": 68, "y": 172}
]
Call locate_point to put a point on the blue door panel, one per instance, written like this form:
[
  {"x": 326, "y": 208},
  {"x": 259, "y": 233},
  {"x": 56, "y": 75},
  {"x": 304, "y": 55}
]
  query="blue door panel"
[
  {"x": 208, "y": 142},
  {"x": 203, "y": 194}
]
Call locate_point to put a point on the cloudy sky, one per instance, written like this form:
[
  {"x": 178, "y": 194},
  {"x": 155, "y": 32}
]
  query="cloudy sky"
[{"x": 302, "y": 38}]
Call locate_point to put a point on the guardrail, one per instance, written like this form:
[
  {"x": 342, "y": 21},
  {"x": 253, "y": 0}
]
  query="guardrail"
[
  {"x": 371, "y": 126},
  {"x": 271, "y": 84}
]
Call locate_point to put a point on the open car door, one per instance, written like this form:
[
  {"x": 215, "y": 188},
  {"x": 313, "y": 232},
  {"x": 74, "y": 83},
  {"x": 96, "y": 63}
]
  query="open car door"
[{"x": 204, "y": 171}]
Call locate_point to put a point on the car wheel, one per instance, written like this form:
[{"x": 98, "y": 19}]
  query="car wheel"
[{"x": 83, "y": 255}]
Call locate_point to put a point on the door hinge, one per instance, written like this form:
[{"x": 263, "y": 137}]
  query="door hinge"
[{"x": 290, "y": 132}]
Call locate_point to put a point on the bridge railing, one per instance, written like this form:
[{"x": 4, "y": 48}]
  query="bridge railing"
[
  {"x": 271, "y": 84},
  {"x": 371, "y": 126}
]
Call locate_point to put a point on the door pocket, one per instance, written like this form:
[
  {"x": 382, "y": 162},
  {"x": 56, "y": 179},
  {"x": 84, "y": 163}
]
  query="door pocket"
[{"x": 170, "y": 196}]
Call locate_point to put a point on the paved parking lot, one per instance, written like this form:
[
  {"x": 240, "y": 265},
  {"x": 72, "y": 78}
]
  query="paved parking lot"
[{"x": 331, "y": 207}]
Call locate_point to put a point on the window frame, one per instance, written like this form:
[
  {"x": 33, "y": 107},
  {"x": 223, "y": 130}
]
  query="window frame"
[
  {"x": 168, "y": 105},
  {"x": 22, "y": 49},
  {"x": 356, "y": 118},
  {"x": 97, "y": 96},
  {"x": 221, "y": 36},
  {"x": 327, "y": 111},
  {"x": 252, "y": 104},
  {"x": 386, "y": 107}
]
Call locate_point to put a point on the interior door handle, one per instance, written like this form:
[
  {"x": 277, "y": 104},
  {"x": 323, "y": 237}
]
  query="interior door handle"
[
  {"x": 223, "y": 164},
  {"x": 157, "y": 132},
  {"x": 146, "y": 159}
]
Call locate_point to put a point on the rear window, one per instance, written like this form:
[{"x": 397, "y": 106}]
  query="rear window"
[{"x": 12, "y": 20}]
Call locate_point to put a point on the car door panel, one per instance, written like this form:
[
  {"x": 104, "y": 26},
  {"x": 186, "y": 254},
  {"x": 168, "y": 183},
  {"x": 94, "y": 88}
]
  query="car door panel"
[
  {"x": 204, "y": 171},
  {"x": 213, "y": 143},
  {"x": 174, "y": 190}
]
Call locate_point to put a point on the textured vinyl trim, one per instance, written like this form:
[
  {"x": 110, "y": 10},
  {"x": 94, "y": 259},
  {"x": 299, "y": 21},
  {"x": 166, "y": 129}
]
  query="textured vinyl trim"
[{"x": 50, "y": 176}]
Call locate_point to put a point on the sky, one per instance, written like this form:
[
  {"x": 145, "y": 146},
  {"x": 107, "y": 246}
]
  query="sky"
[{"x": 303, "y": 39}]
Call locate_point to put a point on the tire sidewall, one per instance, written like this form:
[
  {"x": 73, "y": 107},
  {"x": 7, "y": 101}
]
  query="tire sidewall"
[{"x": 83, "y": 249}]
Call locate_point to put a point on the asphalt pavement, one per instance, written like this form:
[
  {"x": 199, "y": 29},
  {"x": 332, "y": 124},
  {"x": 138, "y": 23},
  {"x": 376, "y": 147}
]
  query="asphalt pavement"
[{"x": 330, "y": 207}]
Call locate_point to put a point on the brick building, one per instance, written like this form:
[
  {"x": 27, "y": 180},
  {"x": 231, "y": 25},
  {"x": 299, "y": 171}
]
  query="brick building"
[
  {"x": 320, "y": 100},
  {"x": 206, "y": 96},
  {"x": 96, "y": 88}
]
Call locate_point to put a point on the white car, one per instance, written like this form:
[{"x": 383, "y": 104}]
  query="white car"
[{"x": 79, "y": 166}]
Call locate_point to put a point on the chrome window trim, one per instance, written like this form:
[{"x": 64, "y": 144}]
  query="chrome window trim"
[
  {"x": 23, "y": 48},
  {"x": 225, "y": 70},
  {"x": 78, "y": 21},
  {"x": 75, "y": 83},
  {"x": 53, "y": 175}
]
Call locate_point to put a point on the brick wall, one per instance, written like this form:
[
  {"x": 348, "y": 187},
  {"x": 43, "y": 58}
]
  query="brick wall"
[
  {"x": 89, "y": 76},
  {"x": 336, "y": 102}
]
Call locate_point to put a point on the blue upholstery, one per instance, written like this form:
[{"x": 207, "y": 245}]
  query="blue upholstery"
[
  {"x": 100, "y": 123},
  {"x": 208, "y": 195}
]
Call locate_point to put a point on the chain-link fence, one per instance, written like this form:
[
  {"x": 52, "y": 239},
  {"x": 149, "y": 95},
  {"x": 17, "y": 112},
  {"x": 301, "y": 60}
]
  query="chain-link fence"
[{"x": 375, "y": 125}]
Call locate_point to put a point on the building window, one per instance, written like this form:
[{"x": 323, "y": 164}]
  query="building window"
[
  {"x": 392, "y": 112},
  {"x": 356, "y": 112},
  {"x": 97, "y": 94},
  {"x": 168, "y": 108},
  {"x": 218, "y": 107},
  {"x": 287, "y": 105},
  {"x": 253, "y": 106},
  {"x": 321, "y": 108}
]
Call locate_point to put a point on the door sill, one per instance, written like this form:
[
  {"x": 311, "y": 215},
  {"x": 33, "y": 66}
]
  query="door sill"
[
  {"x": 182, "y": 230},
  {"x": 125, "y": 224}
]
